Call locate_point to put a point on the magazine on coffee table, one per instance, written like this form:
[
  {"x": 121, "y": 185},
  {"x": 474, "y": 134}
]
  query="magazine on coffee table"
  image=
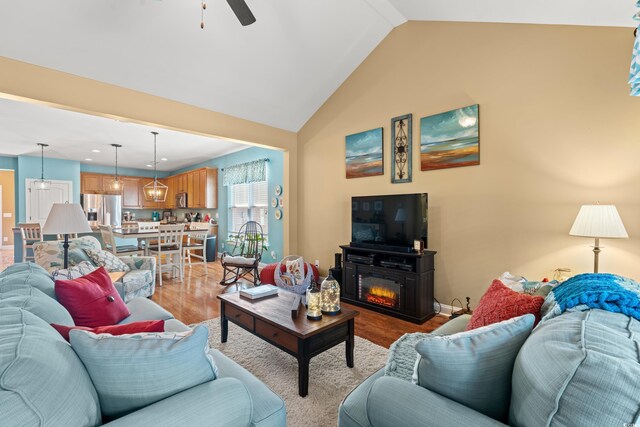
[{"x": 258, "y": 292}]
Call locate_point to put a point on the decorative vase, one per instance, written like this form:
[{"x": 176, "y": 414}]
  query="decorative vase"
[{"x": 330, "y": 295}]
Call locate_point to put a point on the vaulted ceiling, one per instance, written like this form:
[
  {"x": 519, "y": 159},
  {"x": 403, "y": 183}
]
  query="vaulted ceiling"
[{"x": 278, "y": 71}]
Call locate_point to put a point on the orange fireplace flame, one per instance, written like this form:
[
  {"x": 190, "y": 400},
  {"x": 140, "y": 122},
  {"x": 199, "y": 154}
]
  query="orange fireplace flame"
[{"x": 382, "y": 296}]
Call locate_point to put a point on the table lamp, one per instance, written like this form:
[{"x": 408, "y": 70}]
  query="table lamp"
[
  {"x": 66, "y": 218},
  {"x": 599, "y": 222}
]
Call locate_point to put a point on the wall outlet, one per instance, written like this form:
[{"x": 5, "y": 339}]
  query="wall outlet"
[
  {"x": 6, "y": 215},
  {"x": 273, "y": 254},
  {"x": 317, "y": 263},
  {"x": 5, "y": 239}
]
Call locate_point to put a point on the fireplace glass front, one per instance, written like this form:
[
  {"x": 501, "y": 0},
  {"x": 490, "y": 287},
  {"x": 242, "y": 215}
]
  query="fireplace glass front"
[{"x": 381, "y": 291}]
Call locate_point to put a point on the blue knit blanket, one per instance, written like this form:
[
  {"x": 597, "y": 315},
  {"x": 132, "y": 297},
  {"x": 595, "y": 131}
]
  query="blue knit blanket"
[{"x": 594, "y": 290}]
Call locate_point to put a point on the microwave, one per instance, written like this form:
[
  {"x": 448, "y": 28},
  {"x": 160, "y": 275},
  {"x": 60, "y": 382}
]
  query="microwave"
[{"x": 181, "y": 201}]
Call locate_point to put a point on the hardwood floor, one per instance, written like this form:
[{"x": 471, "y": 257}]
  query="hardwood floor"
[{"x": 194, "y": 300}]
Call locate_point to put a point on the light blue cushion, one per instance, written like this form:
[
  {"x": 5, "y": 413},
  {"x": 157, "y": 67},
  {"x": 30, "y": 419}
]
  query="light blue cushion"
[
  {"x": 353, "y": 410},
  {"x": 580, "y": 368},
  {"x": 268, "y": 408},
  {"x": 221, "y": 403},
  {"x": 133, "y": 371},
  {"x": 145, "y": 309},
  {"x": 36, "y": 302},
  {"x": 474, "y": 367},
  {"x": 24, "y": 275},
  {"x": 42, "y": 381}
]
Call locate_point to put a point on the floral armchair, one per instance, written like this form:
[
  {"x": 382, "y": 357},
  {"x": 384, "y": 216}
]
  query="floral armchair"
[{"x": 139, "y": 281}]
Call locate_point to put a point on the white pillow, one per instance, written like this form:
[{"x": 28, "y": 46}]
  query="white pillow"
[
  {"x": 296, "y": 268},
  {"x": 82, "y": 269}
]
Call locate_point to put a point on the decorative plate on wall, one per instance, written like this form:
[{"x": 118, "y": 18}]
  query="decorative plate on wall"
[
  {"x": 274, "y": 203},
  {"x": 278, "y": 190},
  {"x": 278, "y": 214},
  {"x": 281, "y": 202}
]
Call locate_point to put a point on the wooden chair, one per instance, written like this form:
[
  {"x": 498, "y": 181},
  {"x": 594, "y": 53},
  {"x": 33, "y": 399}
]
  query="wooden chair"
[
  {"x": 196, "y": 241},
  {"x": 71, "y": 236},
  {"x": 169, "y": 246},
  {"x": 111, "y": 245},
  {"x": 245, "y": 257},
  {"x": 31, "y": 233},
  {"x": 146, "y": 226}
]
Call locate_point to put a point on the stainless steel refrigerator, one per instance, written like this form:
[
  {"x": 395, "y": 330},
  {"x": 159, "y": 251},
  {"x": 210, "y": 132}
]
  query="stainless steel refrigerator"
[{"x": 102, "y": 209}]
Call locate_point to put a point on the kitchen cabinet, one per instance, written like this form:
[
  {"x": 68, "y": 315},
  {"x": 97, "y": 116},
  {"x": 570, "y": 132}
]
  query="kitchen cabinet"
[
  {"x": 93, "y": 183},
  {"x": 90, "y": 183},
  {"x": 201, "y": 186},
  {"x": 131, "y": 192}
]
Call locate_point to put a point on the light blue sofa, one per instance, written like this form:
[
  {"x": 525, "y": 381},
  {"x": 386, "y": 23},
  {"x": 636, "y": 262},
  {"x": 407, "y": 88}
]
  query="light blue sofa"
[
  {"x": 43, "y": 382},
  {"x": 578, "y": 369}
]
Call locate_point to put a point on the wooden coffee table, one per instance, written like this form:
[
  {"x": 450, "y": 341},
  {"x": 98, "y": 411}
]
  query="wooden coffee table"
[{"x": 270, "y": 319}]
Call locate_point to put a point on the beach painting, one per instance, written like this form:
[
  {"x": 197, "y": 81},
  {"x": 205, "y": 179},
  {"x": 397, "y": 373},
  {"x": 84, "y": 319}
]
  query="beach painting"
[
  {"x": 450, "y": 140},
  {"x": 364, "y": 154}
]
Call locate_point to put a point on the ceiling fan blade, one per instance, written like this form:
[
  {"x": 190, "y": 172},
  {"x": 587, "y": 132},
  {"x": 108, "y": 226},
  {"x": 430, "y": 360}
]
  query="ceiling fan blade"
[{"x": 242, "y": 11}]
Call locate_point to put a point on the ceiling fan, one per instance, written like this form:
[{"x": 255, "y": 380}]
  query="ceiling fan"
[
  {"x": 242, "y": 11},
  {"x": 239, "y": 7}
]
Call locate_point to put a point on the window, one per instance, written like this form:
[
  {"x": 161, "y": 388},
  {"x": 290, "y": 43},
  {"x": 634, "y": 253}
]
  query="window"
[{"x": 249, "y": 202}]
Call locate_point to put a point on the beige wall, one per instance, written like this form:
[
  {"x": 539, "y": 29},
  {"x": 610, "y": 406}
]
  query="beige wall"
[
  {"x": 557, "y": 130},
  {"x": 8, "y": 205}
]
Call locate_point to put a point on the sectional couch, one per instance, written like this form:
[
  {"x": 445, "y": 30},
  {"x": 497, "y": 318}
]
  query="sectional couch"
[
  {"x": 581, "y": 368},
  {"x": 43, "y": 382}
]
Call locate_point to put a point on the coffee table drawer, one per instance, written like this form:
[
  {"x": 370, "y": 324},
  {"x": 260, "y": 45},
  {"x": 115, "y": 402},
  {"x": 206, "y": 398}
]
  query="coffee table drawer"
[
  {"x": 276, "y": 335},
  {"x": 239, "y": 316}
]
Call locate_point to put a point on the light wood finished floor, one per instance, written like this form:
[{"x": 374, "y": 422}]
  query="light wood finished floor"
[{"x": 194, "y": 300}]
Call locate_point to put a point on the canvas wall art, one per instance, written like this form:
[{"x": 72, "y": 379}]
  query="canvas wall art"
[
  {"x": 451, "y": 139},
  {"x": 401, "y": 142},
  {"x": 364, "y": 155}
]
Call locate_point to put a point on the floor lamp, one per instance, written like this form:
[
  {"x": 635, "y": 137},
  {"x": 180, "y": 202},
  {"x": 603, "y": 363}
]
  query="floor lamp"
[
  {"x": 598, "y": 222},
  {"x": 65, "y": 219}
]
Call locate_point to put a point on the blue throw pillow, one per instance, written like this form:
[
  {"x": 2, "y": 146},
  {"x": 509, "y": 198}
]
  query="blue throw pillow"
[
  {"x": 132, "y": 371},
  {"x": 474, "y": 367},
  {"x": 42, "y": 381}
]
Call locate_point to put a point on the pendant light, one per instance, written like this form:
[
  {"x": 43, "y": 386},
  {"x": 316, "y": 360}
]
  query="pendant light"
[
  {"x": 42, "y": 184},
  {"x": 155, "y": 191},
  {"x": 115, "y": 184}
]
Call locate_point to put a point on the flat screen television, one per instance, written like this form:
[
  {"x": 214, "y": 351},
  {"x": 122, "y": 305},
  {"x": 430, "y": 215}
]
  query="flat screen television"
[{"x": 390, "y": 222}]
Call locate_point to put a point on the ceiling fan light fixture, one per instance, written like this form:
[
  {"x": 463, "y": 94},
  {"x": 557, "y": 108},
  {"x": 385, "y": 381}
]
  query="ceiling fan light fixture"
[
  {"x": 155, "y": 191},
  {"x": 42, "y": 184}
]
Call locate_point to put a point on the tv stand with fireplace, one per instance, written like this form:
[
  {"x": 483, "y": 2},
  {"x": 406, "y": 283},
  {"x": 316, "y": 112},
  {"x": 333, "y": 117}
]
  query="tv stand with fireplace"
[{"x": 399, "y": 284}]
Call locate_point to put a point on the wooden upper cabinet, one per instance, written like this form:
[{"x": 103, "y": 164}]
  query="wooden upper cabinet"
[
  {"x": 90, "y": 183},
  {"x": 131, "y": 192},
  {"x": 201, "y": 186}
]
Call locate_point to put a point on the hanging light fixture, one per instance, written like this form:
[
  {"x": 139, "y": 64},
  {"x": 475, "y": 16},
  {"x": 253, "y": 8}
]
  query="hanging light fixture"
[
  {"x": 155, "y": 191},
  {"x": 42, "y": 184},
  {"x": 115, "y": 184}
]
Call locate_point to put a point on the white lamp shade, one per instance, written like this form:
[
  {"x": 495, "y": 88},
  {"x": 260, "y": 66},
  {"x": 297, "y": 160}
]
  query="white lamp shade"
[
  {"x": 600, "y": 221},
  {"x": 66, "y": 218}
]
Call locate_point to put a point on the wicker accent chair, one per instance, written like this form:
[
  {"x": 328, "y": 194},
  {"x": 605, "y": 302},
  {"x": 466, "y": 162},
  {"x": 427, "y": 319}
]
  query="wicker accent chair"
[{"x": 245, "y": 257}]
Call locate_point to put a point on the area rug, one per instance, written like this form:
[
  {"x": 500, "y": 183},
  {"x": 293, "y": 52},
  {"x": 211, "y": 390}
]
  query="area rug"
[{"x": 330, "y": 380}]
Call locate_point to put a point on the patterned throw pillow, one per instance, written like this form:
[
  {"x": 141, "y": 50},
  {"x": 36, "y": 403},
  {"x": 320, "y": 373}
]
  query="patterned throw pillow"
[
  {"x": 82, "y": 269},
  {"x": 501, "y": 303},
  {"x": 296, "y": 268},
  {"x": 107, "y": 260},
  {"x": 134, "y": 371}
]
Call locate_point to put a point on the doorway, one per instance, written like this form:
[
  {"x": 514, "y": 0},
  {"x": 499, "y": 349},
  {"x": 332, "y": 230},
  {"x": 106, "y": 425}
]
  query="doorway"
[{"x": 39, "y": 202}]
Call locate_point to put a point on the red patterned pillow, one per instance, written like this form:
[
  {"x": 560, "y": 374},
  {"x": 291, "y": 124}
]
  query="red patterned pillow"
[
  {"x": 92, "y": 300},
  {"x": 127, "y": 328},
  {"x": 501, "y": 303}
]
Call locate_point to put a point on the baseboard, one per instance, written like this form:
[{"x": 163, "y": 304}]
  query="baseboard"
[
  {"x": 444, "y": 308},
  {"x": 6, "y": 247}
]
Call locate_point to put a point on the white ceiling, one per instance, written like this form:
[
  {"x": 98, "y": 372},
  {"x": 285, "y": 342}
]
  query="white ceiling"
[
  {"x": 278, "y": 71},
  {"x": 73, "y": 136}
]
